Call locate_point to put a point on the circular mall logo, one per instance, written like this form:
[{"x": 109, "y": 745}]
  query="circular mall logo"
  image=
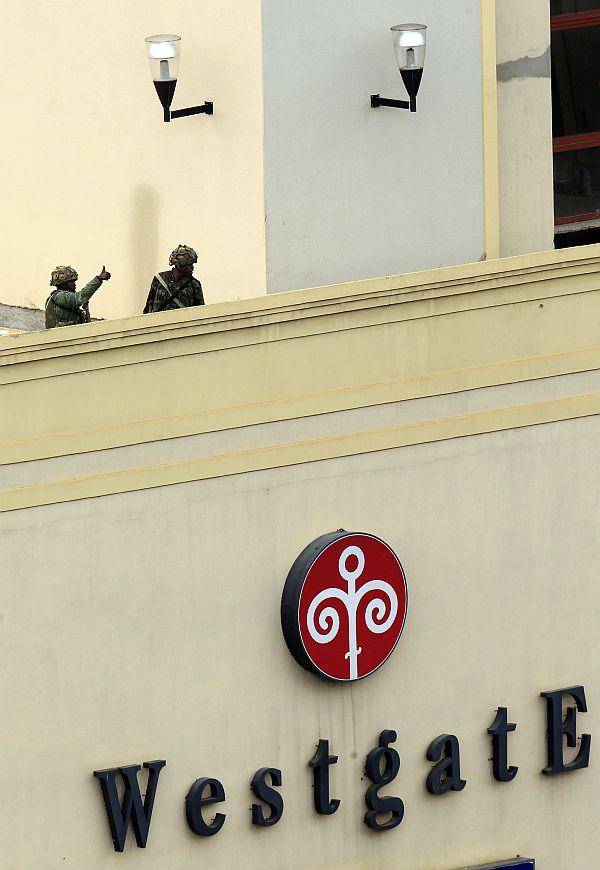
[{"x": 344, "y": 605}]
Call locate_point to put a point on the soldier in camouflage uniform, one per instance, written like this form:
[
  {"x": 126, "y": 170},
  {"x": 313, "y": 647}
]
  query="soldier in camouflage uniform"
[
  {"x": 66, "y": 306},
  {"x": 176, "y": 288}
]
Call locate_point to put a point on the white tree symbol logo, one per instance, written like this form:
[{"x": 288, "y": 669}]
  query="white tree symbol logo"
[{"x": 327, "y": 626}]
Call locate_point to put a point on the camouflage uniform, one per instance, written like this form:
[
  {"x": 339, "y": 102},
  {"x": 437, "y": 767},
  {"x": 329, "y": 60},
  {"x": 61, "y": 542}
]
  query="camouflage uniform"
[
  {"x": 65, "y": 307},
  {"x": 176, "y": 294}
]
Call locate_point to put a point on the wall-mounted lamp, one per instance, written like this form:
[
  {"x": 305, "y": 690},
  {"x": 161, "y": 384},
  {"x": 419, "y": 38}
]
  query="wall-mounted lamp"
[
  {"x": 163, "y": 56},
  {"x": 409, "y": 45}
]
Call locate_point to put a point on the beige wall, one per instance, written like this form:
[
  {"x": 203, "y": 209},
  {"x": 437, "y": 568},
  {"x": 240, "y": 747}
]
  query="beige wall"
[
  {"x": 146, "y": 535},
  {"x": 258, "y": 361},
  {"x": 89, "y": 172},
  {"x": 157, "y": 636},
  {"x": 524, "y": 126}
]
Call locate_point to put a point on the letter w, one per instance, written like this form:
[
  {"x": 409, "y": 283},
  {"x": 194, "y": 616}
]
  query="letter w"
[{"x": 131, "y": 809}]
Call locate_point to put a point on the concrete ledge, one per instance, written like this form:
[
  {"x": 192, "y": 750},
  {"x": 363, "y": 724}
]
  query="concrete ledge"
[{"x": 112, "y": 384}]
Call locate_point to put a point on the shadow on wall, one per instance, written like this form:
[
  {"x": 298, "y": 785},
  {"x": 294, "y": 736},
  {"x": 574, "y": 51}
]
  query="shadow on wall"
[{"x": 143, "y": 242}]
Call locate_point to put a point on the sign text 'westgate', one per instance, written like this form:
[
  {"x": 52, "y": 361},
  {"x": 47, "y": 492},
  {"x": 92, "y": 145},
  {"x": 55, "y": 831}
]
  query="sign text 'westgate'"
[{"x": 383, "y": 813}]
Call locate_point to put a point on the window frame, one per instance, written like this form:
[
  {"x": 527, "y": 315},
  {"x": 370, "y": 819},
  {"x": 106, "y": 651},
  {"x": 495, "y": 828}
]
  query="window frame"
[{"x": 572, "y": 20}]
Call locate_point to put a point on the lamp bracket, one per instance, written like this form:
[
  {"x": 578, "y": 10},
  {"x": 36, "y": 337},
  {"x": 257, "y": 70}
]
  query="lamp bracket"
[
  {"x": 206, "y": 109},
  {"x": 377, "y": 101}
]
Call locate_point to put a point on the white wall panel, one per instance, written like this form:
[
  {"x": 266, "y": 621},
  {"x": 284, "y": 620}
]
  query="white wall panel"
[{"x": 353, "y": 192}]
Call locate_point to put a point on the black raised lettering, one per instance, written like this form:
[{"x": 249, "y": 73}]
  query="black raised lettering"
[
  {"x": 567, "y": 728},
  {"x": 268, "y": 795},
  {"x": 500, "y": 729},
  {"x": 320, "y": 763},
  {"x": 445, "y": 775},
  {"x": 194, "y": 802},
  {"x": 382, "y": 766},
  {"x": 131, "y": 808}
]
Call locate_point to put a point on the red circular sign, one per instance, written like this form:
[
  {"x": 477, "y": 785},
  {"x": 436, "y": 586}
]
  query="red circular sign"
[{"x": 344, "y": 605}]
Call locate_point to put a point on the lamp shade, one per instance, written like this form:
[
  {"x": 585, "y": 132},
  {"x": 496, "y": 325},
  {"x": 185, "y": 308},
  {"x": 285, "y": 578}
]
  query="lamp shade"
[
  {"x": 409, "y": 45},
  {"x": 163, "y": 56}
]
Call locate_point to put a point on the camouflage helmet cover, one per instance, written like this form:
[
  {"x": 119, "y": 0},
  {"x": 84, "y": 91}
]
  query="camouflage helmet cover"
[
  {"x": 62, "y": 274},
  {"x": 183, "y": 255}
]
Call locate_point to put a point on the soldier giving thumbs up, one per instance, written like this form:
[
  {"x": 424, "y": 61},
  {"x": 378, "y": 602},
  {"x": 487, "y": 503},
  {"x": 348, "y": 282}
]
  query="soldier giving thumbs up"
[{"x": 67, "y": 306}]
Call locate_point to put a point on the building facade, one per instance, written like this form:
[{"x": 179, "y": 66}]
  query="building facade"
[
  {"x": 162, "y": 476},
  {"x": 295, "y": 181},
  {"x": 160, "y": 479}
]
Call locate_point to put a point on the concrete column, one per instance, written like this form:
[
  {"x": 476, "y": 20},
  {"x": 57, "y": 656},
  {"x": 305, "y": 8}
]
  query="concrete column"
[{"x": 524, "y": 127}]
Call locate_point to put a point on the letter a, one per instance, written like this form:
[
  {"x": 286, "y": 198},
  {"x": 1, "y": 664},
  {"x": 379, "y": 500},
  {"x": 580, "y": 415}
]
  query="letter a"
[
  {"x": 119, "y": 815},
  {"x": 445, "y": 775}
]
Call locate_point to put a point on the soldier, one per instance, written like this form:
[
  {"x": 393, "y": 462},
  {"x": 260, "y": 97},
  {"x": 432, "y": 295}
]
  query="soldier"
[
  {"x": 66, "y": 306},
  {"x": 177, "y": 288}
]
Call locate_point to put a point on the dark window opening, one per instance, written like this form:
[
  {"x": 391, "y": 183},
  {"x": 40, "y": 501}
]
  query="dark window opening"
[
  {"x": 576, "y": 186},
  {"x": 568, "y": 7},
  {"x": 575, "y": 26},
  {"x": 579, "y": 237}
]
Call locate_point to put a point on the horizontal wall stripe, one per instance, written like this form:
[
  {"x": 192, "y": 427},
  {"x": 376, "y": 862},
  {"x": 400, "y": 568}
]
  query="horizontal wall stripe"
[
  {"x": 291, "y": 407},
  {"x": 304, "y": 353},
  {"x": 300, "y": 452}
]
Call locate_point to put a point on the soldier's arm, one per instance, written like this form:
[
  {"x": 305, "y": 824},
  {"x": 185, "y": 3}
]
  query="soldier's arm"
[
  {"x": 149, "y": 306},
  {"x": 88, "y": 291},
  {"x": 198, "y": 295}
]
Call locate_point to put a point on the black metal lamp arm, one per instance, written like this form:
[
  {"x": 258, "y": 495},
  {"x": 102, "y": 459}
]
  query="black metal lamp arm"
[
  {"x": 412, "y": 83},
  {"x": 377, "y": 101},
  {"x": 206, "y": 109}
]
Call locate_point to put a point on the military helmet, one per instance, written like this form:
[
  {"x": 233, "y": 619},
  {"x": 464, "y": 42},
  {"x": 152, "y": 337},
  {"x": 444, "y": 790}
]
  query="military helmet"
[
  {"x": 62, "y": 274},
  {"x": 183, "y": 255}
]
